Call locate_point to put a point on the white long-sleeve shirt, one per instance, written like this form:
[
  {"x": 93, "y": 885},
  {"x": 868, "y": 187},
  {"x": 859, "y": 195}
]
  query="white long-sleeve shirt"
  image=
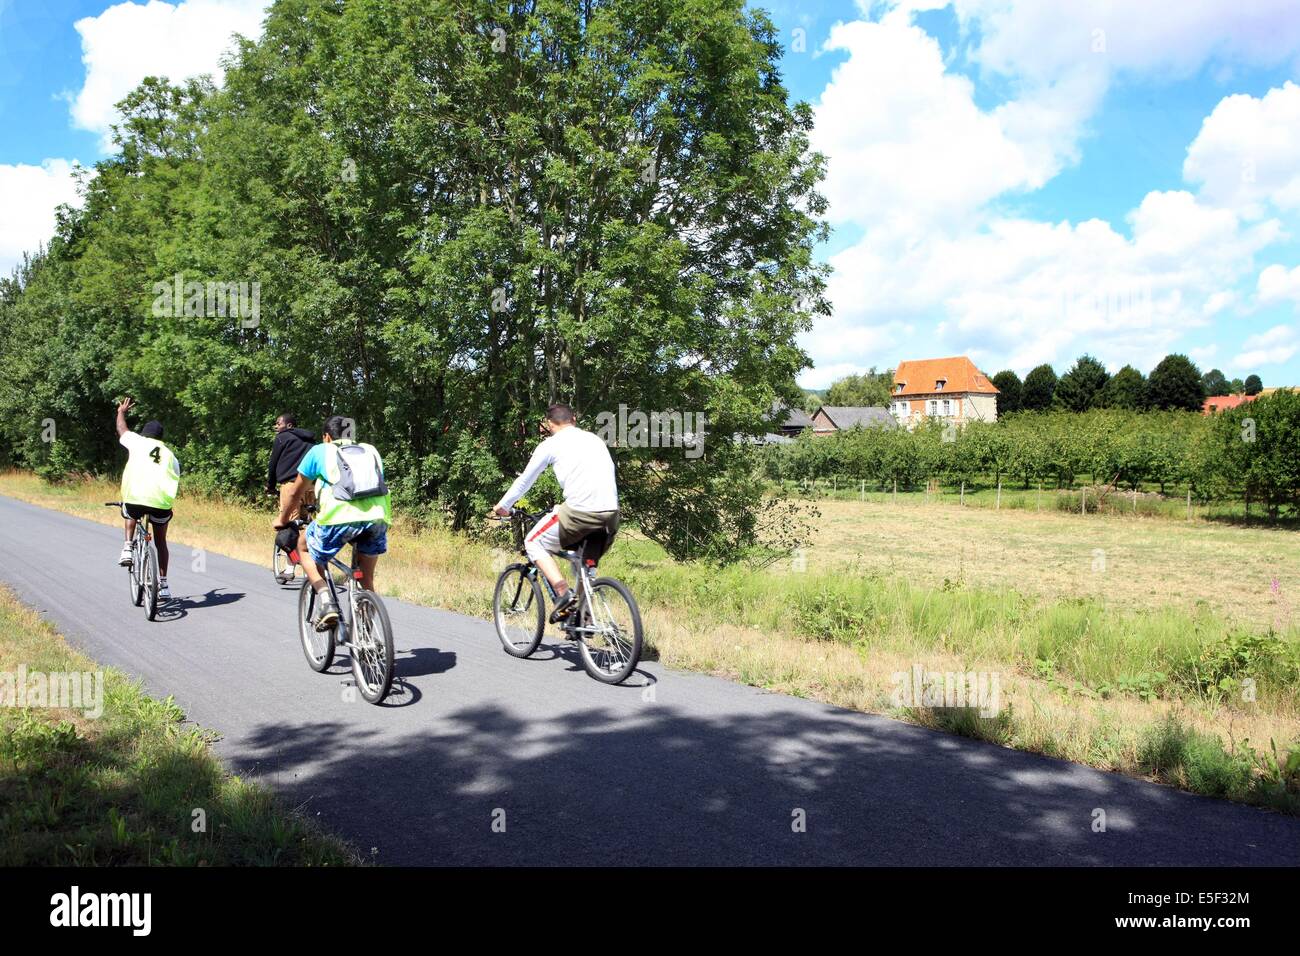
[{"x": 583, "y": 467}]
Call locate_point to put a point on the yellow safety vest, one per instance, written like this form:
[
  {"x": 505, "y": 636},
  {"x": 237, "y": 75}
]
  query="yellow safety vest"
[{"x": 151, "y": 477}]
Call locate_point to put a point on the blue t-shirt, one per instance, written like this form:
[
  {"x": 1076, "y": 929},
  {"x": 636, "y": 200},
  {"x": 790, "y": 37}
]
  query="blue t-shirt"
[{"x": 312, "y": 466}]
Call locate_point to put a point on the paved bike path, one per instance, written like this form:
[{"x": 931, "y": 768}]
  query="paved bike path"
[{"x": 675, "y": 768}]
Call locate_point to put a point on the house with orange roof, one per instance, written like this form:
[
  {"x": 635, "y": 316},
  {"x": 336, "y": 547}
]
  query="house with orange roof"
[
  {"x": 950, "y": 389},
  {"x": 1219, "y": 403}
]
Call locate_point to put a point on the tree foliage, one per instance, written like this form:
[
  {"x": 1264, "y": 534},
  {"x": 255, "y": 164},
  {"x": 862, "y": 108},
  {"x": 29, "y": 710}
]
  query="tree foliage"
[
  {"x": 1039, "y": 388},
  {"x": 1175, "y": 383},
  {"x": 1010, "y": 392},
  {"x": 871, "y": 388},
  {"x": 1081, "y": 387}
]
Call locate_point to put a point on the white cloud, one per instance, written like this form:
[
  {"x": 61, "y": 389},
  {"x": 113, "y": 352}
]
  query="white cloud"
[
  {"x": 1017, "y": 292},
  {"x": 1042, "y": 42},
  {"x": 1276, "y": 284},
  {"x": 906, "y": 144},
  {"x": 924, "y": 171},
  {"x": 28, "y": 196},
  {"x": 130, "y": 41},
  {"x": 1247, "y": 153},
  {"x": 1273, "y": 347}
]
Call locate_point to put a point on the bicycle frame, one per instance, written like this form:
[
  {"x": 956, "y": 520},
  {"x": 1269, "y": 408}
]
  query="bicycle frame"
[
  {"x": 353, "y": 575},
  {"x": 584, "y": 573}
]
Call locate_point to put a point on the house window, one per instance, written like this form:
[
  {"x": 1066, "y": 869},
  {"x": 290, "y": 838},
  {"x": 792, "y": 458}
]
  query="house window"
[
  {"x": 938, "y": 386},
  {"x": 898, "y": 389},
  {"x": 933, "y": 407},
  {"x": 947, "y": 406}
]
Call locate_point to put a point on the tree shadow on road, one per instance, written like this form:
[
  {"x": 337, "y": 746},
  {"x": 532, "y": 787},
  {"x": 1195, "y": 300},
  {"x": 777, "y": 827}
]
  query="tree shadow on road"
[{"x": 782, "y": 782}]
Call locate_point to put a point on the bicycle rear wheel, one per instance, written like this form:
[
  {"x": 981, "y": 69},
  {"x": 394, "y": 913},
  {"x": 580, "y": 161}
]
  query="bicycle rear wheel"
[
  {"x": 372, "y": 647},
  {"x": 151, "y": 582},
  {"x": 518, "y": 611},
  {"x": 611, "y": 652},
  {"x": 317, "y": 646}
]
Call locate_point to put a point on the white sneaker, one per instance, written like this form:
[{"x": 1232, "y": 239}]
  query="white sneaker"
[
  {"x": 163, "y": 590},
  {"x": 124, "y": 559}
]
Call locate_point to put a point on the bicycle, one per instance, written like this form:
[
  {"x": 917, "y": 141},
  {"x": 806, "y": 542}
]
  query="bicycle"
[
  {"x": 604, "y": 621},
  {"x": 144, "y": 557},
  {"x": 284, "y": 565},
  {"x": 363, "y": 628}
]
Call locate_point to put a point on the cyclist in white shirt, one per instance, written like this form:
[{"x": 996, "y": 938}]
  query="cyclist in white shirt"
[
  {"x": 149, "y": 484},
  {"x": 585, "y": 471}
]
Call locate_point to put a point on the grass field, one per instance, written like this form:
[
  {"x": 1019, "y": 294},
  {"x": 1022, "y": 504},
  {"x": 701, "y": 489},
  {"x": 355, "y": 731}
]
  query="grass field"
[
  {"x": 1250, "y": 576},
  {"x": 1160, "y": 665},
  {"x": 131, "y": 786}
]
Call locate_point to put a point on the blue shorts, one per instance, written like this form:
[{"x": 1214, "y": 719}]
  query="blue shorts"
[{"x": 325, "y": 541}]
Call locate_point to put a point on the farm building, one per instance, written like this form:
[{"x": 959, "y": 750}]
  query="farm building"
[
  {"x": 949, "y": 388},
  {"x": 836, "y": 418}
]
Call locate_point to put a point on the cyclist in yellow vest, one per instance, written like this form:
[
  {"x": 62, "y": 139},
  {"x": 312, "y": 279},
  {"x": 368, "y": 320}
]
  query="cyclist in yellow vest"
[
  {"x": 149, "y": 484},
  {"x": 353, "y": 508}
]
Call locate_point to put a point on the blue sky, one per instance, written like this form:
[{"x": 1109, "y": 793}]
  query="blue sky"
[{"x": 1013, "y": 180}]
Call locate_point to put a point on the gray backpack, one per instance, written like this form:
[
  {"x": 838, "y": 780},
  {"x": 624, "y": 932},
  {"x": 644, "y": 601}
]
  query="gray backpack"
[{"x": 360, "y": 475}]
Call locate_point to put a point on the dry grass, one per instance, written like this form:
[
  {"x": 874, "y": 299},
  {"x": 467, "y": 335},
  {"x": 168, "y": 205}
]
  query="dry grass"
[{"x": 1128, "y": 563}]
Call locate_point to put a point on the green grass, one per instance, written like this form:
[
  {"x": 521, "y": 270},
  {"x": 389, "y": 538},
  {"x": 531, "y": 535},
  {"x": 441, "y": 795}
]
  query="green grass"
[
  {"x": 1200, "y": 763},
  {"x": 134, "y": 786}
]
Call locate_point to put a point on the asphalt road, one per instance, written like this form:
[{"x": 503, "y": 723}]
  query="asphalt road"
[{"x": 673, "y": 768}]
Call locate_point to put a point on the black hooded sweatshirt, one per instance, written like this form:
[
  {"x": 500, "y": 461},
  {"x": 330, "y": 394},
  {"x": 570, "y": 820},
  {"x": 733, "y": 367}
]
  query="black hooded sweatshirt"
[{"x": 286, "y": 451}]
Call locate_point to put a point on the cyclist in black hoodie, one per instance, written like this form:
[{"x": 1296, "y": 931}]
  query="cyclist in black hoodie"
[{"x": 291, "y": 443}]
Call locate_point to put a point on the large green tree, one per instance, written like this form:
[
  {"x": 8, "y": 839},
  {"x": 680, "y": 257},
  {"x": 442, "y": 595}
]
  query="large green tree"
[
  {"x": 1126, "y": 389},
  {"x": 869, "y": 388},
  {"x": 1010, "y": 390},
  {"x": 1214, "y": 382},
  {"x": 1080, "y": 388},
  {"x": 1040, "y": 386},
  {"x": 1175, "y": 384}
]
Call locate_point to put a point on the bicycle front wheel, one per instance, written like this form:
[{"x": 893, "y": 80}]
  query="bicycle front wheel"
[
  {"x": 372, "y": 647},
  {"x": 611, "y": 649},
  {"x": 281, "y": 566},
  {"x": 133, "y": 575},
  {"x": 151, "y": 583},
  {"x": 317, "y": 646},
  {"x": 518, "y": 611}
]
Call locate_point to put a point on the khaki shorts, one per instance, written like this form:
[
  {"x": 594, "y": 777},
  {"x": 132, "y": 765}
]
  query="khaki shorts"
[
  {"x": 576, "y": 525},
  {"x": 564, "y": 528},
  {"x": 309, "y": 498}
]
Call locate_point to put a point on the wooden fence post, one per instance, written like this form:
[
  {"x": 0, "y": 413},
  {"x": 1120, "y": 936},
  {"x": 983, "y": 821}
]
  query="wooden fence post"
[
  {"x": 998, "y": 506},
  {"x": 963, "y": 492}
]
